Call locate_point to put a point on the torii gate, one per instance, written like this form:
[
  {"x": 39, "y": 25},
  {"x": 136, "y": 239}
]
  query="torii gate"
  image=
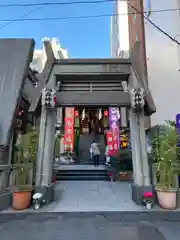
[{"x": 72, "y": 74}]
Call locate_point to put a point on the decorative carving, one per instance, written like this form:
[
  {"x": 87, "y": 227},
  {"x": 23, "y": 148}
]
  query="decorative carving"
[{"x": 137, "y": 99}]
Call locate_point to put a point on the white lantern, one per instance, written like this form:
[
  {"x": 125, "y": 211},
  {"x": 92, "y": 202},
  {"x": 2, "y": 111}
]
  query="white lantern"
[
  {"x": 83, "y": 114},
  {"x": 100, "y": 114}
]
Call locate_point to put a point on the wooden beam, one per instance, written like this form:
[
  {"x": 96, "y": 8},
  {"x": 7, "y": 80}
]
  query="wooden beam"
[{"x": 96, "y": 98}]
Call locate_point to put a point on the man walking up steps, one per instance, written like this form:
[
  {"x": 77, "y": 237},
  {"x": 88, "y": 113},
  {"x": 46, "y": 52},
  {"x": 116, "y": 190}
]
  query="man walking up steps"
[{"x": 95, "y": 152}]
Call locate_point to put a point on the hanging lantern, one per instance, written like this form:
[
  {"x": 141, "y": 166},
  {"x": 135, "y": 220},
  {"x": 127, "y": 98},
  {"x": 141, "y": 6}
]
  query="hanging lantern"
[
  {"x": 124, "y": 144},
  {"x": 118, "y": 113},
  {"x": 76, "y": 119},
  {"x": 76, "y": 113},
  {"x": 20, "y": 111},
  {"x": 100, "y": 114},
  {"x": 18, "y": 123},
  {"x": 124, "y": 141},
  {"x": 83, "y": 114},
  {"x": 106, "y": 113}
]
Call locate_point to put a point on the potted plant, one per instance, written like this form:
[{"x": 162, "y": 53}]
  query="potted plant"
[
  {"x": 126, "y": 164},
  {"x": 167, "y": 168},
  {"x": 154, "y": 134},
  {"x": 23, "y": 170},
  {"x": 23, "y": 189},
  {"x": 121, "y": 165}
]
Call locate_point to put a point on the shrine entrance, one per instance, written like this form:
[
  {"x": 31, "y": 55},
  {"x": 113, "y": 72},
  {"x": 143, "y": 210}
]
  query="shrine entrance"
[
  {"x": 96, "y": 83},
  {"x": 93, "y": 124},
  {"x": 87, "y": 125},
  {"x": 91, "y": 120}
]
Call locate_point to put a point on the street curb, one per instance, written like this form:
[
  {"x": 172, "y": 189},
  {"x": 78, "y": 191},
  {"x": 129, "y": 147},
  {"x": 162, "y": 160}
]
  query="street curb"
[{"x": 127, "y": 216}]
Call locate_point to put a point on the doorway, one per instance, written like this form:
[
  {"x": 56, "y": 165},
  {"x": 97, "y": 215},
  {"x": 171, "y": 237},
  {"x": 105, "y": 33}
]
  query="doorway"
[{"x": 91, "y": 128}]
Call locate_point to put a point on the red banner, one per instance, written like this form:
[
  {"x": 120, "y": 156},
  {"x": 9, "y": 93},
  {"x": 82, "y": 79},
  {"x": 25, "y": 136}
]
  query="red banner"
[
  {"x": 116, "y": 139},
  {"x": 110, "y": 142},
  {"x": 69, "y": 130}
]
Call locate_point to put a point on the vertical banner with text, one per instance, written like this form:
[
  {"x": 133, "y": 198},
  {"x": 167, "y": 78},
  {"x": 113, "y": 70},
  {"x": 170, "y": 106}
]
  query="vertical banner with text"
[
  {"x": 114, "y": 126},
  {"x": 69, "y": 129},
  {"x": 110, "y": 142}
]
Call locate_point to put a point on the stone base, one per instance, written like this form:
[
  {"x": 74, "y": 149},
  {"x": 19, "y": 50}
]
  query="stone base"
[
  {"x": 47, "y": 191},
  {"x": 178, "y": 198},
  {"x": 138, "y": 192},
  {"x": 5, "y": 199}
]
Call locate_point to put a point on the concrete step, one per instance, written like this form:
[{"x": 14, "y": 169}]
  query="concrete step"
[
  {"x": 82, "y": 178},
  {"x": 90, "y": 162},
  {"x": 82, "y": 175}
]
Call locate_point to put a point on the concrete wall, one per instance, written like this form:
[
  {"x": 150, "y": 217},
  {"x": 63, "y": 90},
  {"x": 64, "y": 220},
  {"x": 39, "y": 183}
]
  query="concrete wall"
[
  {"x": 114, "y": 37},
  {"x": 120, "y": 41},
  {"x": 137, "y": 38},
  {"x": 120, "y": 30},
  {"x": 131, "y": 40},
  {"x": 123, "y": 29},
  {"x": 39, "y": 57},
  {"x": 163, "y": 60}
]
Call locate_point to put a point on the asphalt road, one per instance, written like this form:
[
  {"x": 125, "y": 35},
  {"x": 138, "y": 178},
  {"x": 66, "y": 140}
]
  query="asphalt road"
[{"x": 61, "y": 227}]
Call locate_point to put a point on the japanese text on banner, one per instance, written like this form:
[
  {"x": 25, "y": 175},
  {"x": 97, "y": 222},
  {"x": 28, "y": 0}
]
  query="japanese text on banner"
[
  {"x": 116, "y": 138},
  {"x": 114, "y": 126},
  {"x": 110, "y": 142},
  {"x": 69, "y": 130}
]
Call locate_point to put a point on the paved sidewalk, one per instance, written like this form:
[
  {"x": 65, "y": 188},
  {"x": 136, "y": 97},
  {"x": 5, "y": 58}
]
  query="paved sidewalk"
[
  {"x": 90, "y": 196},
  {"x": 82, "y": 196},
  {"x": 52, "y": 226}
]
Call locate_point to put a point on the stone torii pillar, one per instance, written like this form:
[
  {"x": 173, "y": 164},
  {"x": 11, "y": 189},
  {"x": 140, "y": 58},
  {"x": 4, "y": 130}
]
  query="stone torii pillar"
[
  {"x": 45, "y": 154},
  {"x": 141, "y": 174}
]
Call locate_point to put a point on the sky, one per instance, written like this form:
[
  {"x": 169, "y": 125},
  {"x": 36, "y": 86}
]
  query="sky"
[{"x": 83, "y": 38}]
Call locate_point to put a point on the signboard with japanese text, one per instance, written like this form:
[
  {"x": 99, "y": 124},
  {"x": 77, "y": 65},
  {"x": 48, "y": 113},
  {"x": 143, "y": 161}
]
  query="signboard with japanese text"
[
  {"x": 69, "y": 129},
  {"x": 110, "y": 142},
  {"x": 113, "y": 116}
]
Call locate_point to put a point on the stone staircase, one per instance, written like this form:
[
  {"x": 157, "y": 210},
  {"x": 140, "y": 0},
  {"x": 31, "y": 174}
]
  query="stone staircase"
[
  {"x": 84, "y": 169},
  {"x": 84, "y": 149},
  {"x": 81, "y": 173}
]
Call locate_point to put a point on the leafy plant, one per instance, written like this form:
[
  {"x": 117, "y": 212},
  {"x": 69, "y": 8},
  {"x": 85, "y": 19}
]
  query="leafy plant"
[
  {"x": 171, "y": 123},
  {"x": 21, "y": 177},
  {"x": 32, "y": 145},
  {"x": 166, "y": 159},
  {"x": 155, "y": 134},
  {"x": 27, "y": 149},
  {"x": 122, "y": 160},
  {"x": 21, "y": 174},
  {"x": 57, "y": 146}
]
